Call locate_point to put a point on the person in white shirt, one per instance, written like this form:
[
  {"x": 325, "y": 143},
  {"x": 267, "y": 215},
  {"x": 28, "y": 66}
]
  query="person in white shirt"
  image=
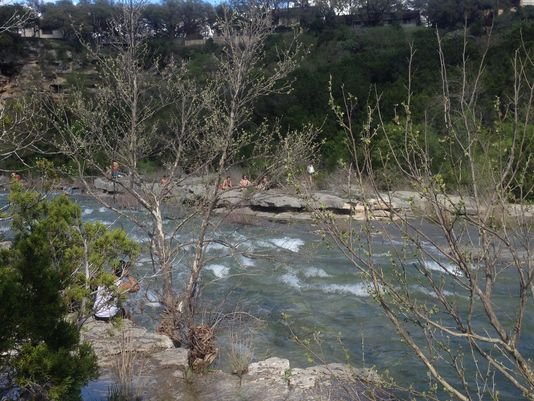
[
  {"x": 311, "y": 171},
  {"x": 107, "y": 302}
]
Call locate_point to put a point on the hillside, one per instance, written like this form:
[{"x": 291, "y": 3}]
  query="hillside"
[{"x": 370, "y": 63}]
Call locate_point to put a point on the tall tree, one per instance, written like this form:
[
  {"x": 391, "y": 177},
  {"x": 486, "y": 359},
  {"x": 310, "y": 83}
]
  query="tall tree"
[
  {"x": 451, "y": 14},
  {"x": 375, "y": 10},
  {"x": 46, "y": 274},
  {"x": 198, "y": 129},
  {"x": 183, "y": 18},
  {"x": 14, "y": 17}
]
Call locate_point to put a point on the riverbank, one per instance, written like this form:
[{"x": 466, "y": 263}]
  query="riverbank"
[
  {"x": 286, "y": 204},
  {"x": 158, "y": 371}
]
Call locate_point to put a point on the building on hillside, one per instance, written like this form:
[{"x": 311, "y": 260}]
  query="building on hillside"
[
  {"x": 524, "y": 3},
  {"x": 36, "y": 32},
  {"x": 194, "y": 40}
]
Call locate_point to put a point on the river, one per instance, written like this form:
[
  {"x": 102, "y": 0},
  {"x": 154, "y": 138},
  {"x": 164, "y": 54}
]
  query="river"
[{"x": 291, "y": 278}]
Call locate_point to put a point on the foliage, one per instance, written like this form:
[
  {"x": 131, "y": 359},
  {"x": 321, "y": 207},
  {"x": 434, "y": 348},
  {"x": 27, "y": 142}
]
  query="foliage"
[
  {"x": 48, "y": 358},
  {"x": 11, "y": 51},
  {"x": 195, "y": 119},
  {"x": 366, "y": 61},
  {"x": 442, "y": 286},
  {"x": 42, "y": 280}
]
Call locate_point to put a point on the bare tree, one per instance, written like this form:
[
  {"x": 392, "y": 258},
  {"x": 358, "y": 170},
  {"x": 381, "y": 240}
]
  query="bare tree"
[
  {"x": 198, "y": 130},
  {"x": 22, "y": 126},
  {"x": 458, "y": 285},
  {"x": 14, "y": 17}
]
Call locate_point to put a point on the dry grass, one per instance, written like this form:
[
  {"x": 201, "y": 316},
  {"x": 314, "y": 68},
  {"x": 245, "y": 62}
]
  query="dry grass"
[
  {"x": 127, "y": 370},
  {"x": 240, "y": 353}
]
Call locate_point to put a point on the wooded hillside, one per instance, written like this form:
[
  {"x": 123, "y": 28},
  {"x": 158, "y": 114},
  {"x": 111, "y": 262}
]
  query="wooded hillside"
[{"x": 370, "y": 61}]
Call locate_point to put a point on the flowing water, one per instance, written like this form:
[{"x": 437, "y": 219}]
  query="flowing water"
[{"x": 291, "y": 278}]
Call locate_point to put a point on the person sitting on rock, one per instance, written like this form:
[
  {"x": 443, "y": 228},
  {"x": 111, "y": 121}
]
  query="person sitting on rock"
[
  {"x": 165, "y": 185},
  {"x": 244, "y": 182},
  {"x": 108, "y": 303},
  {"x": 227, "y": 183},
  {"x": 264, "y": 184},
  {"x": 164, "y": 181},
  {"x": 115, "y": 170}
]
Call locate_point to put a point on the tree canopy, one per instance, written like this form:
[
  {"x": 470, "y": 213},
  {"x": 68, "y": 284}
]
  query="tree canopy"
[{"x": 45, "y": 292}]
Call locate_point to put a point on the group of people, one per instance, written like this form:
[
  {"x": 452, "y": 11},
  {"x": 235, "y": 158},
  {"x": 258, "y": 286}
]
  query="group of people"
[
  {"x": 244, "y": 182},
  {"x": 264, "y": 182}
]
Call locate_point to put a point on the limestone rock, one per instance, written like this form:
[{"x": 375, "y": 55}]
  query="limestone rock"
[
  {"x": 161, "y": 372},
  {"x": 270, "y": 369},
  {"x": 380, "y": 213},
  {"x": 196, "y": 190},
  {"x": 379, "y": 204},
  {"x": 109, "y": 339},
  {"x": 457, "y": 204},
  {"x": 232, "y": 198},
  {"x": 172, "y": 357},
  {"x": 273, "y": 199},
  {"x": 110, "y": 186},
  {"x": 322, "y": 200},
  {"x": 309, "y": 378},
  {"x": 407, "y": 200}
]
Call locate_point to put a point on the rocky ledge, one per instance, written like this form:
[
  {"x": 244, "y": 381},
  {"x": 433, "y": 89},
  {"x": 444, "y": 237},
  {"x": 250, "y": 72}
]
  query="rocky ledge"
[
  {"x": 275, "y": 204},
  {"x": 350, "y": 202},
  {"x": 159, "y": 372}
]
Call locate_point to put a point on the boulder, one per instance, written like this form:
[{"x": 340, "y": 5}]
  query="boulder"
[
  {"x": 109, "y": 339},
  {"x": 175, "y": 358},
  {"x": 160, "y": 371},
  {"x": 322, "y": 200},
  {"x": 381, "y": 214},
  {"x": 273, "y": 199},
  {"x": 379, "y": 204},
  {"x": 520, "y": 210},
  {"x": 192, "y": 192},
  {"x": 456, "y": 204},
  {"x": 111, "y": 186},
  {"x": 408, "y": 200},
  {"x": 311, "y": 377},
  {"x": 275, "y": 370},
  {"x": 232, "y": 198}
]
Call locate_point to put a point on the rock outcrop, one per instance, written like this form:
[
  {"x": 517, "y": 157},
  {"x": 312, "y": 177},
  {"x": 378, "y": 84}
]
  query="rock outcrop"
[
  {"x": 160, "y": 371},
  {"x": 272, "y": 204},
  {"x": 277, "y": 204},
  {"x": 109, "y": 340}
]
